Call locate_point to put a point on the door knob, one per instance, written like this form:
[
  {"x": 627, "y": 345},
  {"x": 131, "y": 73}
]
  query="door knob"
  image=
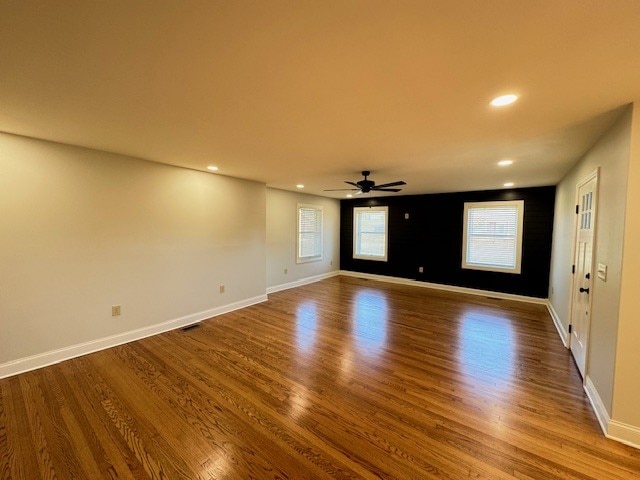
[
  {"x": 584, "y": 290},
  {"x": 587, "y": 276}
]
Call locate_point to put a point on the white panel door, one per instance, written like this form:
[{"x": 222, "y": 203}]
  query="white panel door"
[{"x": 582, "y": 285}]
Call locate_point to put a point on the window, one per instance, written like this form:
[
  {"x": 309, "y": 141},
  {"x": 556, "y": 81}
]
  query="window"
[
  {"x": 370, "y": 233},
  {"x": 309, "y": 233},
  {"x": 492, "y": 238}
]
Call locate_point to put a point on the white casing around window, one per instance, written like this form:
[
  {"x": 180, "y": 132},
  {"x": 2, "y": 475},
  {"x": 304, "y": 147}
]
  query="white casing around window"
[
  {"x": 492, "y": 236},
  {"x": 370, "y": 233}
]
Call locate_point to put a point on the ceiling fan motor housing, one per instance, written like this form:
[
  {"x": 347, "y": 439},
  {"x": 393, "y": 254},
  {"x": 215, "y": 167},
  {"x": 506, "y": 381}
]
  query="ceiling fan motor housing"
[{"x": 366, "y": 185}]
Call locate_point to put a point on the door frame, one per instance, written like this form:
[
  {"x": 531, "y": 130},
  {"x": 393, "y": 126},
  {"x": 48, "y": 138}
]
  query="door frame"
[{"x": 593, "y": 175}]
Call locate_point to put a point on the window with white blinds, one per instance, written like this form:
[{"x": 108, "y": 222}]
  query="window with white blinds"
[
  {"x": 370, "y": 233},
  {"x": 492, "y": 237},
  {"x": 309, "y": 233}
]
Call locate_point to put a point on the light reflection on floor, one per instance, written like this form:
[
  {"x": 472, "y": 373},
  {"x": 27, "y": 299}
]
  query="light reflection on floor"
[
  {"x": 219, "y": 467},
  {"x": 298, "y": 401},
  {"x": 370, "y": 322},
  {"x": 487, "y": 349},
  {"x": 306, "y": 324}
]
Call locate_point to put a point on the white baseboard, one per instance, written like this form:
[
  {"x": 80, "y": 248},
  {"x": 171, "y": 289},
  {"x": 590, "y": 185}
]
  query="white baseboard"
[
  {"x": 564, "y": 335},
  {"x": 302, "y": 281},
  {"x": 613, "y": 429},
  {"x": 449, "y": 288},
  {"x": 55, "y": 356},
  {"x": 624, "y": 433},
  {"x": 597, "y": 404}
]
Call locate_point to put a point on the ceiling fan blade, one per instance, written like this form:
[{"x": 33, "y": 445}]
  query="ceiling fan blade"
[
  {"x": 342, "y": 190},
  {"x": 354, "y": 184},
  {"x": 392, "y": 184},
  {"x": 387, "y": 189}
]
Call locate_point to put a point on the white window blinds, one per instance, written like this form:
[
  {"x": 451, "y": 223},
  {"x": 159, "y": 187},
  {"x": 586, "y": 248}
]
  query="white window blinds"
[
  {"x": 309, "y": 233},
  {"x": 370, "y": 233},
  {"x": 493, "y": 236}
]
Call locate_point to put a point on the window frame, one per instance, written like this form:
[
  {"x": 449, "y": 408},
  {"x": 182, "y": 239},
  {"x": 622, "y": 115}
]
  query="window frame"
[
  {"x": 361, "y": 256},
  {"x": 519, "y": 204},
  {"x": 319, "y": 232}
]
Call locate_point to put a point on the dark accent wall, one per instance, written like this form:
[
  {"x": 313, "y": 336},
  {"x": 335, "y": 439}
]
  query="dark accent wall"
[{"x": 432, "y": 238}]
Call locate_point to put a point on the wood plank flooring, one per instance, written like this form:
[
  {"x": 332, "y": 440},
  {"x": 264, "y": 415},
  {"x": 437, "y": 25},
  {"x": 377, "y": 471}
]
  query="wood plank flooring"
[{"x": 344, "y": 378}]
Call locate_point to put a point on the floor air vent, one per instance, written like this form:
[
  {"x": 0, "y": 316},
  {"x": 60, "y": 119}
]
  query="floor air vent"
[{"x": 189, "y": 327}]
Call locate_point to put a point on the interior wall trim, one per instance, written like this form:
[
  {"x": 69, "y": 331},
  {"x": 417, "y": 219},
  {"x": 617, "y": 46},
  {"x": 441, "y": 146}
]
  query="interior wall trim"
[
  {"x": 449, "y": 288},
  {"x": 613, "y": 429},
  {"x": 624, "y": 433},
  {"x": 40, "y": 360},
  {"x": 597, "y": 404},
  {"x": 302, "y": 281},
  {"x": 564, "y": 336}
]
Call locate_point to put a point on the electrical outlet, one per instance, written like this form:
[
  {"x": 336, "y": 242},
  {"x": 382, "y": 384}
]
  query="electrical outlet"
[
  {"x": 286, "y": 271},
  {"x": 331, "y": 263},
  {"x": 115, "y": 310},
  {"x": 420, "y": 269},
  {"x": 221, "y": 288},
  {"x": 406, "y": 216}
]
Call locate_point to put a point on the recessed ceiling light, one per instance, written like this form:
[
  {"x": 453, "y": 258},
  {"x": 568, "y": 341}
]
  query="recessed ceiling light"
[
  {"x": 508, "y": 184},
  {"x": 212, "y": 168},
  {"x": 349, "y": 196},
  {"x": 504, "y": 163},
  {"x": 504, "y": 100},
  {"x": 299, "y": 185}
]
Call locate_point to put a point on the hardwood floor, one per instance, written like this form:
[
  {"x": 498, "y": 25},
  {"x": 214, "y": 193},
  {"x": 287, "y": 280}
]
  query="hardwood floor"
[{"x": 344, "y": 378}]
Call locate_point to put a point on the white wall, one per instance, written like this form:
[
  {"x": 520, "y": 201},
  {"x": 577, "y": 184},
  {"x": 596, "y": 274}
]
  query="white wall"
[
  {"x": 281, "y": 237},
  {"x": 612, "y": 379},
  {"x": 611, "y": 154},
  {"x": 82, "y": 230},
  {"x": 626, "y": 401}
]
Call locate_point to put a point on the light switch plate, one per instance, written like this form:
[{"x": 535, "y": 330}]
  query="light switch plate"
[{"x": 602, "y": 272}]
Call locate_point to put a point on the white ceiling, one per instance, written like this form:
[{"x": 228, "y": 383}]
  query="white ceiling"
[{"x": 313, "y": 92}]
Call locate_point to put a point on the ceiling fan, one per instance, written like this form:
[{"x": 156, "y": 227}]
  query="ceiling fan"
[{"x": 366, "y": 186}]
